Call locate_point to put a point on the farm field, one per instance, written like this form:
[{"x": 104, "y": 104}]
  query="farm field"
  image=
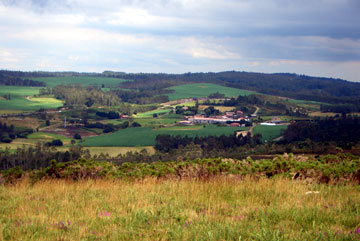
[
  {"x": 145, "y": 136},
  {"x": 19, "y": 101},
  {"x": 33, "y": 139},
  {"x": 269, "y": 132},
  {"x": 114, "y": 151},
  {"x": 108, "y": 82},
  {"x": 151, "y": 113},
  {"x": 204, "y": 90},
  {"x": 218, "y": 209}
]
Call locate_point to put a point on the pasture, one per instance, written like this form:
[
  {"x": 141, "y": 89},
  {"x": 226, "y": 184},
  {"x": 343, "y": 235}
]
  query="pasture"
[
  {"x": 203, "y": 90},
  {"x": 269, "y": 132},
  {"x": 222, "y": 208},
  {"x": 85, "y": 81},
  {"x": 151, "y": 113},
  {"x": 21, "y": 99},
  {"x": 145, "y": 136}
]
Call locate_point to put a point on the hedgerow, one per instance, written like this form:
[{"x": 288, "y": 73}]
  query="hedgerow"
[{"x": 339, "y": 168}]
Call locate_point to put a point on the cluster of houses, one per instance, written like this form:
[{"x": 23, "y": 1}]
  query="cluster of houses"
[{"x": 231, "y": 118}]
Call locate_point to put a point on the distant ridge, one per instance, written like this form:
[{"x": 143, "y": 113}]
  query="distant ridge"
[{"x": 329, "y": 90}]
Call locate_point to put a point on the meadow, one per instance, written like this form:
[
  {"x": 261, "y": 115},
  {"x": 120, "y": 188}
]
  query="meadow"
[
  {"x": 222, "y": 208},
  {"x": 145, "y": 136},
  {"x": 108, "y": 82},
  {"x": 269, "y": 132},
  {"x": 21, "y": 99},
  {"x": 151, "y": 113},
  {"x": 203, "y": 90}
]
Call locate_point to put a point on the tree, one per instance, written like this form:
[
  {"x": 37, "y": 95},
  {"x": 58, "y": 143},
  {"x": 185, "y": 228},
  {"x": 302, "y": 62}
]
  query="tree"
[
  {"x": 135, "y": 124},
  {"x": 56, "y": 142},
  {"x": 77, "y": 136}
]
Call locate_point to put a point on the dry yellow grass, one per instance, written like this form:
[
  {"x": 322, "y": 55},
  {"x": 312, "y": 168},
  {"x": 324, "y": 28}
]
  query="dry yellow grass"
[
  {"x": 114, "y": 151},
  {"x": 26, "y": 122},
  {"x": 219, "y": 209}
]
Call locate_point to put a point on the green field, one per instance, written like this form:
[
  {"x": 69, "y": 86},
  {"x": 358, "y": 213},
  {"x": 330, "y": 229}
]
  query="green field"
[
  {"x": 145, "y": 136},
  {"x": 45, "y": 136},
  {"x": 108, "y": 82},
  {"x": 18, "y": 99},
  {"x": 269, "y": 132},
  {"x": 151, "y": 113},
  {"x": 204, "y": 90}
]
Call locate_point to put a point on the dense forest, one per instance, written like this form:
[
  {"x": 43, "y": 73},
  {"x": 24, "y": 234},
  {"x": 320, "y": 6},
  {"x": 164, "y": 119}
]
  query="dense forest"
[{"x": 340, "y": 130}]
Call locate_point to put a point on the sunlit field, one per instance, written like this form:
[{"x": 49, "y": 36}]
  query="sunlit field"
[{"x": 223, "y": 208}]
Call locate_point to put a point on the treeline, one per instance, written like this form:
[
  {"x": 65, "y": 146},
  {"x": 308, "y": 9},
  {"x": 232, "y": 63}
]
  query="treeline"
[
  {"x": 88, "y": 96},
  {"x": 7, "y": 78},
  {"x": 342, "y": 108},
  {"x": 111, "y": 127},
  {"x": 142, "y": 97},
  {"x": 345, "y": 131},
  {"x": 167, "y": 143},
  {"x": 40, "y": 74},
  {"x": 39, "y": 156}
]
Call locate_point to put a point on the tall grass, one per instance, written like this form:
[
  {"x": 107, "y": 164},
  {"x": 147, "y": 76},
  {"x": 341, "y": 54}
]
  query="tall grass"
[{"x": 224, "y": 208}]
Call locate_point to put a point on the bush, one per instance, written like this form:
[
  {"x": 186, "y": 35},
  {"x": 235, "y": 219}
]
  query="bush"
[
  {"x": 56, "y": 142},
  {"x": 135, "y": 124},
  {"x": 77, "y": 136}
]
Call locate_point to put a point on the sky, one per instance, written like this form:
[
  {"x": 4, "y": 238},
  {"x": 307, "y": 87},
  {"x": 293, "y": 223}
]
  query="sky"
[{"x": 312, "y": 37}]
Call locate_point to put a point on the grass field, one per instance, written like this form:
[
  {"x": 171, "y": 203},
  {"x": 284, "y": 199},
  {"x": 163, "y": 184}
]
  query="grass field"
[
  {"x": 204, "y": 90},
  {"x": 218, "y": 209},
  {"x": 269, "y": 132},
  {"x": 19, "y": 101},
  {"x": 145, "y": 136},
  {"x": 34, "y": 138},
  {"x": 156, "y": 121},
  {"x": 108, "y": 82},
  {"x": 151, "y": 113}
]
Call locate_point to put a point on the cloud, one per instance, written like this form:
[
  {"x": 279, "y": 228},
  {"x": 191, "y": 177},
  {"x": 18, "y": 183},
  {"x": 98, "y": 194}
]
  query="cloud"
[{"x": 182, "y": 35}]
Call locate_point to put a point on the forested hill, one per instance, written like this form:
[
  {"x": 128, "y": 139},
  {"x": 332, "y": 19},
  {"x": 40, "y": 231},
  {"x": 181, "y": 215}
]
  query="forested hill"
[
  {"x": 295, "y": 86},
  {"x": 283, "y": 84}
]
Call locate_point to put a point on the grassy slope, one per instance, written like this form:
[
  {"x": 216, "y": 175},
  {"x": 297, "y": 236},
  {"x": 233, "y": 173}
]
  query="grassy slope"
[
  {"x": 108, "y": 82},
  {"x": 18, "y": 99},
  {"x": 145, "y": 136},
  {"x": 269, "y": 132},
  {"x": 220, "y": 209},
  {"x": 203, "y": 90},
  {"x": 151, "y": 113}
]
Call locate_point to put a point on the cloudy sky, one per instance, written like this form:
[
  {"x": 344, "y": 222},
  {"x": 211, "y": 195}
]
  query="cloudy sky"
[{"x": 314, "y": 37}]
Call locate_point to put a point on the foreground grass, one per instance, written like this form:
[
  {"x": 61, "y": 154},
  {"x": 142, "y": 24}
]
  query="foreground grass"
[{"x": 224, "y": 208}]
